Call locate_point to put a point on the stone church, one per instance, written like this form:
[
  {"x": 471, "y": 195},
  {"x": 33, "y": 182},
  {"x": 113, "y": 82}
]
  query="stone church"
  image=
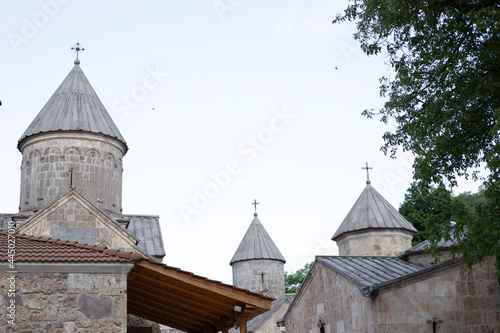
[
  {"x": 379, "y": 283},
  {"x": 71, "y": 261},
  {"x": 258, "y": 266}
]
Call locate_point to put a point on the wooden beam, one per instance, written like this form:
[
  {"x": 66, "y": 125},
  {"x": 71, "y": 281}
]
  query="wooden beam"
[
  {"x": 201, "y": 308},
  {"x": 222, "y": 305},
  {"x": 149, "y": 298},
  {"x": 207, "y": 285},
  {"x": 154, "y": 306},
  {"x": 243, "y": 326},
  {"x": 139, "y": 311},
  {"x": 160, "y": 312},
  {"x": 224, "y": 323}
]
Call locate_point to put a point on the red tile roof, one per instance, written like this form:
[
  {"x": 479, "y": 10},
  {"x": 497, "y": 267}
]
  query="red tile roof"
[{"x": 30, "y": 248}]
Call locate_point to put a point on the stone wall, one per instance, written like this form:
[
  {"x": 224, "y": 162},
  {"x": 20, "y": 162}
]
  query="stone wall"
[
  {"x": 270, "y": 325},
  {"x": 67, "y": 302},
  {"x": 374, "y": 243},
  {"x": 456, "y": 300},
  {"x": 329, "y": 300},
  {"x": 75, "y": 220},
  {"x": 96, "y": 161},
  {"x": 134, "y": 321},
  {"x": 259, "y": 275},
  {"x": 428, "y": 259},
  {"x": 453, "y": 299}
]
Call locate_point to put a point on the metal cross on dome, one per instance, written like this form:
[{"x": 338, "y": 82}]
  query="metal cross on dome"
[
  {"x": 367, "y": 172},
  {"x": 255, "y": 203},
  {"x": 77, "y": 48}
]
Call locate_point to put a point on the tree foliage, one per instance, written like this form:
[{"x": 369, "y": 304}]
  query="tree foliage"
[
  {"x": 294, "y": 280},
  {"x": 431, "y": 207},
  {"x": 473, "y": 200},
  {"x": 443, "y": 97}
]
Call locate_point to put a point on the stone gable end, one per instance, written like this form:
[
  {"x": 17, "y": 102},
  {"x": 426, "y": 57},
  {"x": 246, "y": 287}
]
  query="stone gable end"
[
  {"x": 75, "y": 219},
  {"x": 328, "y": 299}
]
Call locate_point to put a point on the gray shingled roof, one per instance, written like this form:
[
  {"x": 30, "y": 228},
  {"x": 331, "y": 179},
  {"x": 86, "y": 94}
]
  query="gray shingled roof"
[
  {"x": 257, "y": 244},
  {"x": 423, "y": 246},
  {"x": 4, "y": 221},
  {"x": 254, "y": 324},
  {"x": 367, "y": 271},
  {"x": 74, "y": 106},
  {"x": 147, "y": 230},
  {"x": 372, "y": 211}
]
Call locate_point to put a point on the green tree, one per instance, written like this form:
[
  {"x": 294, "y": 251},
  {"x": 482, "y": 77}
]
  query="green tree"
[
  {"x": 473, "y": 200},
  {"x": 295, "y": 279},
  {"x": 443, "y": 97},
  {"x": 427, "y": 206}
]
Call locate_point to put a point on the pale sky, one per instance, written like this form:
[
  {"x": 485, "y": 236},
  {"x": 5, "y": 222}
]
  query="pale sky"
[{"x": 220, "y": 102}]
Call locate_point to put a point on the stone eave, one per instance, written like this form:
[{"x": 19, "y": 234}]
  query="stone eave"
[
  {"x": 75, "y": 134},
  {"x": 368, "y": 230}
]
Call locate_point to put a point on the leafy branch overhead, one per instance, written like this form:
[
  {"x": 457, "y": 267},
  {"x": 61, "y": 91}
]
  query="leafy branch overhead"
[{"x": 443, "y": 96}]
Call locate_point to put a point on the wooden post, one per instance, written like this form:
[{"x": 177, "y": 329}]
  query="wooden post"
[
  {"x": 225, "y": 330},
  {"x": 243, "y": 326}
]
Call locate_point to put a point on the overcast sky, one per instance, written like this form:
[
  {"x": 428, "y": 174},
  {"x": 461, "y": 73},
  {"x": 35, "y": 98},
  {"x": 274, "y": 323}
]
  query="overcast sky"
[{"x": 221, "y": 102}]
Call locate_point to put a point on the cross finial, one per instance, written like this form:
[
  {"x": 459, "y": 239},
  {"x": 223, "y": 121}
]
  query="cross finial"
[
  {"x": 77, "y": 48},
  {"x": 367, "y": 172},
  {"x": 255, "y": 203}
]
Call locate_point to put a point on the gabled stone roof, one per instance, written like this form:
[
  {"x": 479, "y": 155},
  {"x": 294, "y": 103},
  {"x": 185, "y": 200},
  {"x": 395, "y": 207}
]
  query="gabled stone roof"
[
  {"x": 372, "y": 211},
  {"x": 365, "y": 271},
  {"x": 74, "y": 106},
  {"x": 257, "y": 244},
  {"x": 43, "y": 249}
]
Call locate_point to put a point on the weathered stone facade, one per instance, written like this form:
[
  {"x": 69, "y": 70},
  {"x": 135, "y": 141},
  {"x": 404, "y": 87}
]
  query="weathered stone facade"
[
  {"x": 96, "y": 161},
  {"x": 67, "y": 302},
  {"x": 374, "y": 243},
  {"x": 134, "y": 321},
  {"x": 75, "y": 219},
  {"x": 451, "y": 299},
  {"x": 325, "y": 299},
  {"x": 269, "y": 326},
  {"x": 260, "y": 275}
]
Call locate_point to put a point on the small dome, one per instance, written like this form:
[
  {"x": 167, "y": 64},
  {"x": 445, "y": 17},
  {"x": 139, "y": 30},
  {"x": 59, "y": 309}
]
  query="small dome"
[
  {"x": 257, "y": 244},
  {"x": 74, "y": 106},
  {"x": 372, "y": 211}
]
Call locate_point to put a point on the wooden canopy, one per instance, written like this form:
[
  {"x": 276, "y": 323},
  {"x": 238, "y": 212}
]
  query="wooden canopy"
[{"x": 187, "y": 302}]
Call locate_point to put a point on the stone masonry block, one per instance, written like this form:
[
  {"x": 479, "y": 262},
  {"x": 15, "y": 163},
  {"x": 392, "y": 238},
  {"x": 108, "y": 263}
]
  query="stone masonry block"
[{"x": 96, "y": 306}]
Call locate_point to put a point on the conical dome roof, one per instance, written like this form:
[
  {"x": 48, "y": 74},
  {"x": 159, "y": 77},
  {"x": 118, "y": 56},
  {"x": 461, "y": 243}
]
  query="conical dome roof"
[
  {"x": 74, "y": 106},
  {"x": 257, "y": 244},
  {"x": 372, "y": 211}
]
